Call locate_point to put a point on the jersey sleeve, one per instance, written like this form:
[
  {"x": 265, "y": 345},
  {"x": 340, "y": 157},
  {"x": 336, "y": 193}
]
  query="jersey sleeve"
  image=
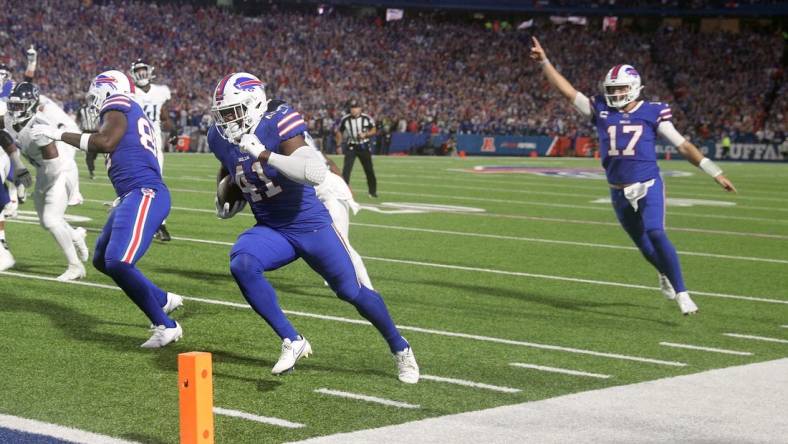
[
  {"x": 291, "y": 124},
  {"x": 597, "y": 104},
  {"x": 664, "y": 113},
  {"x": 116, "y": 103},
  {"x": 166, "y": 94}
]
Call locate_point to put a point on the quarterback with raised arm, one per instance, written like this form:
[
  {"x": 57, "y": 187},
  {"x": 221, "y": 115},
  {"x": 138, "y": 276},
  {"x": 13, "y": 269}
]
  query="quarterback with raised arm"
[{"x": 628, "y": 127}]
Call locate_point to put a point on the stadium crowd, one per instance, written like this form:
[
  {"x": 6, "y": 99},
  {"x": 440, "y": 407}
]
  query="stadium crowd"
[{"x": 424, "y": 73}]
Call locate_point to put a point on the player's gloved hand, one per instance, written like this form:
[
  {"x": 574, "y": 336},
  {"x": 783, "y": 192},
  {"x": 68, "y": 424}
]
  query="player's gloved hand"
[
  {"x": 91, "y": 122},
  {"x": 252, "y": 145},
  {"x": 46, "y": 131},
  {"x": 24, "y": 178},
  {"x": 227, "y": 211},
  {"x": 32, "y": 55}
]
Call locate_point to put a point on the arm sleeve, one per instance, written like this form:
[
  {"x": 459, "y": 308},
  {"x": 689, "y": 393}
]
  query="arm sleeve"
[
  {"x": 582, "y": 104},
  {"x": 667, "y": 131},
  {"x": 303, "y": 166}
]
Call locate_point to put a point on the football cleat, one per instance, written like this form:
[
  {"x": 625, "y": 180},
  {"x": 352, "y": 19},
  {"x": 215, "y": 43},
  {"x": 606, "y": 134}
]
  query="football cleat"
[
  {"x": 162, "y": 234},
  {"x": 685, "y": 303},
  {"x": 6, "y": 258},
  {"x": 72, "y": 273},
  {"x": 666, "y": 287},
  {"x": 173, "y": 302},
  {"x": 78, "y": 238},
  {"x": 163, "y": 336},
  {"x": 406, "y": 364},
  {"x": 292, "y": 351}
]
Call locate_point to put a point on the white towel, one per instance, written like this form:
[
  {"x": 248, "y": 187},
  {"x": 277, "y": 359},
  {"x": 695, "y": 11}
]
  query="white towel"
[{"x": 637, "y": 191}]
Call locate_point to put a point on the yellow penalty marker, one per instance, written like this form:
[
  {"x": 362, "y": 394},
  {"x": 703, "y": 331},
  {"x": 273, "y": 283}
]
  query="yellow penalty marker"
[{"x": 195, "y": 389}]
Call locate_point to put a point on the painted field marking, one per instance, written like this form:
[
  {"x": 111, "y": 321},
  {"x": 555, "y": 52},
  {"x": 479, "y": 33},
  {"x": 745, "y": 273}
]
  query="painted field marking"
[
  {"x": 757, "y": 338},
  {"x": 708, "y": 349},
  {"x": 559, "y": 370},
  {"x": 360, "y": 397},
  {"x": 256, "y": 418},
  {"x": 784, "y": 326},
  {"x": 56, "y": 431},
  {"x": 464, "y": 383},
  {"x": 502, "y": 237},
  {"x": 401, "y": 327}
]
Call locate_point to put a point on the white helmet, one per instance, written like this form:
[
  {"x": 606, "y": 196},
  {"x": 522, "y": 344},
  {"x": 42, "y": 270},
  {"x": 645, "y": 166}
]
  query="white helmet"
[
  {"x": 141, "y": 73},
  {"x": 239, "y": 103},
  {"x": 106, "y": 84},
  {"x": 618, "y": 76}
]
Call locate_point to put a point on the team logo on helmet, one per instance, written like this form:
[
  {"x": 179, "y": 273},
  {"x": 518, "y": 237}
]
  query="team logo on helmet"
[{"x": 102, "y": 79}]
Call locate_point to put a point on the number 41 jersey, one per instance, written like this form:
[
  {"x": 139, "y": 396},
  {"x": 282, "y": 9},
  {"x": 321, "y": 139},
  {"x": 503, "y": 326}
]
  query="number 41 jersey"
[
  {"x": 626, "y": 139},
  {"x": 133, "y": 164},
  {"x": 275, "y": 200}
]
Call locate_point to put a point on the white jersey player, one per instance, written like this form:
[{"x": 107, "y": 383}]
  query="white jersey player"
[
  {"x": 57, "y": 177},
  {"x": 335, "y": 194},
  {"x": 153, "y": 100}
]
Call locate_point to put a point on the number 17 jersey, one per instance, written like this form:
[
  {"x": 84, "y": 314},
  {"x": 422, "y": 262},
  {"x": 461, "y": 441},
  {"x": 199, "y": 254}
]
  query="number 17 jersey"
[
  {"x": 133, "y": 164},
  {"x": 626, "y": 139}
]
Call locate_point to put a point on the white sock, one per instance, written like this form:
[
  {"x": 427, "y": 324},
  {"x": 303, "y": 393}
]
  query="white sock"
[{"x": 64, "y": 238}]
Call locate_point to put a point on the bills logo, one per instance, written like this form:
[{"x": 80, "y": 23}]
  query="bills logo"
[
  {"x": 106, "y": 80},
  {"x": 247, "y": 84}
]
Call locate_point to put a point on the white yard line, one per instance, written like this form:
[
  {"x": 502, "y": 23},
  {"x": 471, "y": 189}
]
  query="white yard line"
[
  {"x": 256, "y": 418},
  {"x": 757, "y": 338},
  {"x": 464, "y": 383},
  {"x": 784, "y": 326},
  {"x": 708, "y": 349},
  {"x": 56, "y": 431},
  {"x": 360, "y": 397},
  {"x": 401, "y": 327},
  {"x": 559, "y": 370}
]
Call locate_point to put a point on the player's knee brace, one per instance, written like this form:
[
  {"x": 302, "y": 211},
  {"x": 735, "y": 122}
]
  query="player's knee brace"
[{"x": 244, "y": 266}]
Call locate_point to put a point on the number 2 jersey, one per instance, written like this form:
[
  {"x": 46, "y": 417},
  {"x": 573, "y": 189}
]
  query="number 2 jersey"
[
  {"x": 133, "y": 164},
  {"x": 626, "y": 139},
  {"x": 275, "y": 200}
]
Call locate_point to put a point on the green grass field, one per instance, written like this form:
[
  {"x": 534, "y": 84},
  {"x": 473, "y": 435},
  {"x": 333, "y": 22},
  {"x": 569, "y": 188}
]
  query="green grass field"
[{"x": 543, "y": 276}]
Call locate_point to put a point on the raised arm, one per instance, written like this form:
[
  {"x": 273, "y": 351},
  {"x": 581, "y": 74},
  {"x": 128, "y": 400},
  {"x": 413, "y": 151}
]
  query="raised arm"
[
  {"x": 104, "y": 141},
  {"x": 578, "y": 99}
]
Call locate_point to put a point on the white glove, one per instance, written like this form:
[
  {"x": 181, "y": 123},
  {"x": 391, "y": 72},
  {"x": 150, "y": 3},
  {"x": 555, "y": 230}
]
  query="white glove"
[
  {"x": 252, "y": 145},
  {"x": 48, "y": 131},
  {"x": 32, "y": 55},
  {"x": 226, "y": 211}
]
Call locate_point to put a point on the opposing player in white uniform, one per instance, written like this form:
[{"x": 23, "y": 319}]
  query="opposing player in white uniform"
[
  {"x": 335, "y": 194},
  {"x": 153, "y": 100},
  {"x": 57, "y": 177}
]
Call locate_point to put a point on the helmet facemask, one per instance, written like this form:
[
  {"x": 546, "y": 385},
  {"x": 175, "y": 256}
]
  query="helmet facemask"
[
  {"x": 621, "y": 86},
  {"x": 22, "y": 108},
  {"x": 142, "y": 75},
  {"x": 238, "y": 111}
]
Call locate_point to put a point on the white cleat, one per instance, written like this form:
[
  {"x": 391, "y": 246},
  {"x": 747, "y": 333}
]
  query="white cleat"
[
  {"x": 685, "y": 303},
  {"x": 72, "y": 273},
  {"x": 173, "y": 302},
  {"x": 6, "y": 258},
  {"x": 291, "y": 352},
  {"x": 78, "y": 238},
  {"x": 406, "y": 364},
  {"x": 163, "y": 336},
  {"x": 666, "y": 287}
]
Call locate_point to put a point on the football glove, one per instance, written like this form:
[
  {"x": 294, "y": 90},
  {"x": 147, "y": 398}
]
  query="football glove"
[
  {"x": 252, "y": 145},
  {"x": 226, "y": 211},
  {"x": 42, "y": 130},
  {"x": 24, "y": 178}
]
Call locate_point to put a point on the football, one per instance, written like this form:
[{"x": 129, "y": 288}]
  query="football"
[{"x": 228, "y": 191}]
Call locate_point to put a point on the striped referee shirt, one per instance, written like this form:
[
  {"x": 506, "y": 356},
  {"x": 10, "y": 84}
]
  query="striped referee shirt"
[{"x": 353, "y": 127}]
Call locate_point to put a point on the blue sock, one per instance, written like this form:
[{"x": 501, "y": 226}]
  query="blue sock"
[
  {"x": 668, "y": 258},
  {"x": 248, "y": 274},
  {"x": 371, "y": 306},
  {"x": 139, "y": 289}
]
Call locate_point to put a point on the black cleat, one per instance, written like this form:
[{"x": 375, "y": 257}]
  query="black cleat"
[
  {"x": 162, "y": 234},
  {"x": 375, "y": 195}
]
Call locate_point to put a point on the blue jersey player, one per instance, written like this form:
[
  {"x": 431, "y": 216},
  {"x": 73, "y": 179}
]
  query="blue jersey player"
[
  {"x": 126, "y": 135},
  {"x": 628, "y": 128},
  {"x": 261, "y": 144}
]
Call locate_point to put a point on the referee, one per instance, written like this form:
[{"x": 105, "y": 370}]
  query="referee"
[{"x": 358, "y": 128}]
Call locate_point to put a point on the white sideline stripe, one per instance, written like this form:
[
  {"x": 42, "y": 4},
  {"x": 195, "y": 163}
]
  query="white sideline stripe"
[
  {"x": 569, "y": 279},
  {"x": 559, "y": 370},
  {"x": 388, "y": 402},
  {"x": 561, "y": 242},
  {"x": 256, "y": 418},
  {"x": 462, "y": 382},
  {"x": 784, "y": 326},
  {"x": 756, "y": 338},
  {"x": 401, "y": 327},
  {"x": 56, "y": 431},
  {"x": 708, "y": 349}
]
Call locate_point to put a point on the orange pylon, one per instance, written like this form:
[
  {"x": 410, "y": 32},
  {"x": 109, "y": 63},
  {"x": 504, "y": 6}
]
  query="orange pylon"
[{"x": 195, "y": 390}]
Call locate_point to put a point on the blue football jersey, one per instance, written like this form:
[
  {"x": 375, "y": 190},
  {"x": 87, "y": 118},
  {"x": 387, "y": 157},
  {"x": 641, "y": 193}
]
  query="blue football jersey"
[
  {"x": 275, "y": 200},
  {"x": 626, "y": 139},
  {"x": 6, "y": 89},
  {"x": 133, "y": 164}
]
